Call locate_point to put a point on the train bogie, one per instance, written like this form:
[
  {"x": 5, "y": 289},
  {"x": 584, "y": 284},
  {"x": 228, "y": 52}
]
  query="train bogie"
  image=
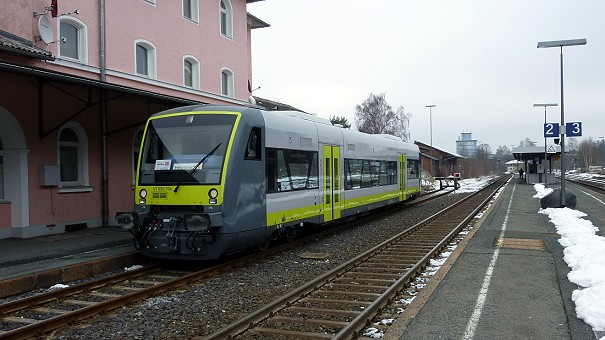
[{"x": 215, "y": 180}]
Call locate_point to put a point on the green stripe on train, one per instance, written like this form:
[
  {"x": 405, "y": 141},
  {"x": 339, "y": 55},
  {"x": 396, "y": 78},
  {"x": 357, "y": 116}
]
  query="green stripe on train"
[{"x": 298, "y": 214}]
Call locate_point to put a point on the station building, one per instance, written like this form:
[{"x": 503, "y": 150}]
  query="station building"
[
  {"x": 79, "y": 80},
  {"x": 438, "y": 161},
  {"x": 537, "y": 162}
]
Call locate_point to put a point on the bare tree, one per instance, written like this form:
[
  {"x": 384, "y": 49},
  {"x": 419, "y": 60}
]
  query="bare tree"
[
  {"x": 588, "y": 153},
  {"x": 572, "y": 145},
  {"x": 403, "y": 124},
  {"x": 375, "y": 116},
  {"x": 504, "y": 153},
  {"x": 526, "y": 142}
]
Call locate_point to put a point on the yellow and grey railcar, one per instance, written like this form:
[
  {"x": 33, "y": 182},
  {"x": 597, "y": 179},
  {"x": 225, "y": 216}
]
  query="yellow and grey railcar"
[{"x": 214, "y": 180}]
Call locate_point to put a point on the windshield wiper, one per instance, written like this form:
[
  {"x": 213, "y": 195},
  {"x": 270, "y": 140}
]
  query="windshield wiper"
[{"x": 198, "y": 164}]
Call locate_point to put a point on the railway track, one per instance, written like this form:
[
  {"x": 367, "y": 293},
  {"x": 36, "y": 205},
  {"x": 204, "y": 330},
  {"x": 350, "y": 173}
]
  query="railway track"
[
  {"x": 39, "y": 314},
  {"x": 340, "y": 303},
  {"x": 594, "y": 182}
]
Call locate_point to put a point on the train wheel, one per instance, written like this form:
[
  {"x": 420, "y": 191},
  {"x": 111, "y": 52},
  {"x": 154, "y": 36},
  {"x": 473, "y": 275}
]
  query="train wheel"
[
  {"x": 290, "y": 234},
  {"x": 264, "y": 245}
]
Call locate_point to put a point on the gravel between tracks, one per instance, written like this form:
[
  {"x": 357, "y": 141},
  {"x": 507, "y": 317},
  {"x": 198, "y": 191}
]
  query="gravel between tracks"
[{"x": 203, "y": 308}]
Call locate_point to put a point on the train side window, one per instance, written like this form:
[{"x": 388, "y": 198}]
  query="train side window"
[
  {"x": 271, "y": 171},
  {"x": 253, "y": 147},
  {"x": 366, "y": 179},
  {"x": 413, "y": 169}
]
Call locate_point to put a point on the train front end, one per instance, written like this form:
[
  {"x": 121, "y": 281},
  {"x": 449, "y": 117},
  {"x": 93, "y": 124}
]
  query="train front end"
[{"x": 180, "y": 185}]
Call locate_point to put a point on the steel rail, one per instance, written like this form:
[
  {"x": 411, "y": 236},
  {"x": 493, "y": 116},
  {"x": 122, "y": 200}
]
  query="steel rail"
[
  {"x": 267, "y": 311},
  {"x": 72, "y": 290},
  {"x": 597, "y": 185},
  {"x": 45, "y": 325}
]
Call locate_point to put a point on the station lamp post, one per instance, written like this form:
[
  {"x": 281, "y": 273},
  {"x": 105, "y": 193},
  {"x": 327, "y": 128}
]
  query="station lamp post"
[
  {"x": 545, "y": 154},
  {"x": 431, "y": 131},
  {"x": 561, "y": 44}
]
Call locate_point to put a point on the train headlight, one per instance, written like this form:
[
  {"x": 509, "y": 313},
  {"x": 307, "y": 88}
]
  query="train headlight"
[
  {"x": 213, "y": 194},
  {"x": 142, "y": 196},
  {"x": 197, "y": 222}
]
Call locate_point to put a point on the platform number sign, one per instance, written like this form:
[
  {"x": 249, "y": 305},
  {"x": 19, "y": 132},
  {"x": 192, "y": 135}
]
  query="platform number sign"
[
  {"x": 551, "y": 130},
  {"x": 573, "y": 129}
]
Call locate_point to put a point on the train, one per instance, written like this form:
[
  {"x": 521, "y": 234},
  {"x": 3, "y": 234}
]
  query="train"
[{"x": 214, "y": 180}]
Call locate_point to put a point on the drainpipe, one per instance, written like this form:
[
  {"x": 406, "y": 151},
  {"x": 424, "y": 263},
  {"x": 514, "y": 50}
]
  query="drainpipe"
[{"x": 102, "y": 73}]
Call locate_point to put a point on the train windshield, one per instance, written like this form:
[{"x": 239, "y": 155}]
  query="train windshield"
[{"x": 185, "y": 150}]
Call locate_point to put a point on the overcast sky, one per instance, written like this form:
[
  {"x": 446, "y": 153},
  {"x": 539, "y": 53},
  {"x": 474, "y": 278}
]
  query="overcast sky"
[{"x": 476, "y": 60}]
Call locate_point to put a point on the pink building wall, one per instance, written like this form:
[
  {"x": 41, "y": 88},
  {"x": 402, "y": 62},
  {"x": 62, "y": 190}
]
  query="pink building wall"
[{"x": 173, "y": 36}]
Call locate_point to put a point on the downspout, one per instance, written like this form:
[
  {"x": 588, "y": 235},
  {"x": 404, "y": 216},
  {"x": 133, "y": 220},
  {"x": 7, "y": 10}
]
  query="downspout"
[{"x": 103, "y": 76}]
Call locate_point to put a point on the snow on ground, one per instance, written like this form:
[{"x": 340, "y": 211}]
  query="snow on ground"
[
  {"x": 134, "y": 267},
  {"x": 473, "y": 184},
  {"x": 584, "y": 253},
  {"x": 57, "y": 286}
]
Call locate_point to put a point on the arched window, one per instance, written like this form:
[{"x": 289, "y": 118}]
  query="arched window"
[
  {"x": 73, "y": 156},
  {"x": 226, "y": 18},
  {"x": 227, "y": 83},
  {"x": 145, "y": 63},
  {"x": 191, "y": 72},
  {"x": 73, "y": 39}
]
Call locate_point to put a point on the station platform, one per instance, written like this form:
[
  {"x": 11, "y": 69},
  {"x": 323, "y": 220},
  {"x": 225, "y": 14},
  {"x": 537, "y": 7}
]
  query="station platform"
[
  {"x": 509, "y": 284},
  {"x": 47, "y": 260}
]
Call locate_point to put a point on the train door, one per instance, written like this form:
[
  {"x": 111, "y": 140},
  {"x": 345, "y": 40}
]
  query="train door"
[
  {"x": 332, "y": 183},
  {"x": 403, "y": 167}
]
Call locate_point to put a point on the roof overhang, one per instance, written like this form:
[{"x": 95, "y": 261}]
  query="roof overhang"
[
  {"x": 255, "y": 22},
  {"x": 76, "y": 80},
  {"x": 12, "y": 44}
]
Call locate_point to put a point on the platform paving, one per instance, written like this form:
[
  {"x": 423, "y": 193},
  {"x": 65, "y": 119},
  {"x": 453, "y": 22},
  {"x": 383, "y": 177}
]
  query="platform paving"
[
  {"x": 492, "y": 292},
  {"x": 64, "y": 256}
]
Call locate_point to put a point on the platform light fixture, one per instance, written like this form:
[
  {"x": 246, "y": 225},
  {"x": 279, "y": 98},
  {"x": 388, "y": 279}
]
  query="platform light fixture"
[
  {"x": 561, "y": 44},
  {"x": 431, "y": 131},
  {"x": 545, "y": 153}
]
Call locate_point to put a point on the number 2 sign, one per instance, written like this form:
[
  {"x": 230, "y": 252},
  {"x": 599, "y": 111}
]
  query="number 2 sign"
[{"x": 551, "y": 130}]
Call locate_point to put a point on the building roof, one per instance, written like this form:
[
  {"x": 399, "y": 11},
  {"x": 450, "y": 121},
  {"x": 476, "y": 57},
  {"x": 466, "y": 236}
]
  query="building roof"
[
  {"x": 15, "y": 45},
  {"x": 513, "y": 162},
  {"x": 453, "y": 154},
  {"x": 255, "y": 22}
]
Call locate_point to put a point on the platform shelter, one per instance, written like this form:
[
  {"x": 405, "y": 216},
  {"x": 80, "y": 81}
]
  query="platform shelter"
[{"x": 537, "y": 162}]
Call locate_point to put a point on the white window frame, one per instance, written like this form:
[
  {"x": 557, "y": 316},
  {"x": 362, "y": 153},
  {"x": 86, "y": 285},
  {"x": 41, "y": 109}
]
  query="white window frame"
[
  {"x": 82, "y": 151},
  {"x": 82, "y": 38},
  {"x": 195, "y": 72},
  {"x": 230, "y": 83},
  {"x": 195, "y": 11},
  {"x": 151, "y": 59},
  {"x": 228, "y": 11}
]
